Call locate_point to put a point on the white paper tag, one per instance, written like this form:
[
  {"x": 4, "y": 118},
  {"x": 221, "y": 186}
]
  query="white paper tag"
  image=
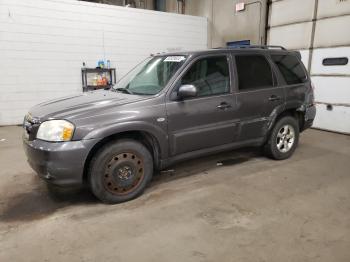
[{"x": 174, "y": 59}]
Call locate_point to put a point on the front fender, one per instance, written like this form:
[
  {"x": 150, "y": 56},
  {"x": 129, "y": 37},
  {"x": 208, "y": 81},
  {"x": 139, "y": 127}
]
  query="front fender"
[{"x": 157, "y": 131}]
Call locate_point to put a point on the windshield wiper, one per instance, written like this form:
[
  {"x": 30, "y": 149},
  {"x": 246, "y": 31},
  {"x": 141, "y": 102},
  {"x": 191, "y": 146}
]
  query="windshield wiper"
[{"x": 123, "y": 90}]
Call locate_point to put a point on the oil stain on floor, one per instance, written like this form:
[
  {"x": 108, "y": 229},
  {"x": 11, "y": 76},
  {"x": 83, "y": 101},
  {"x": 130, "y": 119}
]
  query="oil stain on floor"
[{"x": 232, "y": 161}]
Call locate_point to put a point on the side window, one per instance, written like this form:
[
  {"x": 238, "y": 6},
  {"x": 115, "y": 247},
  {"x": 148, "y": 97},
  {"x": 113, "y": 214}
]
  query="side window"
[
  {"x": 210, "y": 75},
  {"x": 253, "y": 72},
  {"x": 290, "y": 68}
]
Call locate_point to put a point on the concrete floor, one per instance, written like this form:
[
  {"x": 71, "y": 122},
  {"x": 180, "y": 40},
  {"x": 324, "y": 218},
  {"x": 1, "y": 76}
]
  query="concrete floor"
[{"x": 248, "y": 209}]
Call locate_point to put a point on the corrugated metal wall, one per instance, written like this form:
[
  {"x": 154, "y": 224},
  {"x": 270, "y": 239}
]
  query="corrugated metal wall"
[
  {"x": 319, "y": 29},
  {"x": 43, "y": 44}
]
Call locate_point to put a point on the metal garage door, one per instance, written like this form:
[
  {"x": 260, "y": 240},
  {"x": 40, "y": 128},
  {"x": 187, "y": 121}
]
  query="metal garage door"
[{"x": 320, "y": 30}]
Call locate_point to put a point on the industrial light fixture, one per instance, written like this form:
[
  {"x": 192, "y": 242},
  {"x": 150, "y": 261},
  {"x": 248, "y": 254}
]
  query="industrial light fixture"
[{"x": 240, "y": 7}]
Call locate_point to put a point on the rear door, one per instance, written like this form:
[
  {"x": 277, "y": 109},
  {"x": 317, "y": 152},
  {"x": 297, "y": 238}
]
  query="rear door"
[
  {"x": 258, "y": 94},
  {"x": 207, "y": 120}
]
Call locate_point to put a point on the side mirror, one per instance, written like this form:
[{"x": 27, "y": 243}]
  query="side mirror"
[{"x": 186, "y": 91}]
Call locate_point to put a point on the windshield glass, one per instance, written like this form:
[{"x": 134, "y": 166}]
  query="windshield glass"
[{"x": 150, "y": 76}]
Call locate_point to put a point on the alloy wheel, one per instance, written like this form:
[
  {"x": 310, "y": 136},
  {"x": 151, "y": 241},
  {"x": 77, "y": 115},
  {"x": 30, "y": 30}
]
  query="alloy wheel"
[{"x": 285, "y": 138}]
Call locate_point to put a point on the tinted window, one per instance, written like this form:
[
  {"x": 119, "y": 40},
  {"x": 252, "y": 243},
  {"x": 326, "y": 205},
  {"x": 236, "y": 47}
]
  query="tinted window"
[
  {"x": 253, "y": 72},
  {"x": 290, "y": 68},
  {"x": 210, "y": 76}
]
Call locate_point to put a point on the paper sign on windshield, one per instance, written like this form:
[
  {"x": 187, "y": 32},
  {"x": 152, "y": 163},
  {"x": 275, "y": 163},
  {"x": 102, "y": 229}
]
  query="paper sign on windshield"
[{"x": 174, "y": 58}]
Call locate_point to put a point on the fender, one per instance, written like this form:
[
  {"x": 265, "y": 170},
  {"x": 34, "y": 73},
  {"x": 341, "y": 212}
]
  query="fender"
[
  {"x": 273, "y": 116},
  {"x": 293, "y": 105},
  {"x": 112, "y": 129}
]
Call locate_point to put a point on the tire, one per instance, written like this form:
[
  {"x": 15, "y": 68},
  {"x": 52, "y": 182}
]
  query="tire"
[
  {"x": 283, "y": 139},
  {"x": 120, "y": 171}
]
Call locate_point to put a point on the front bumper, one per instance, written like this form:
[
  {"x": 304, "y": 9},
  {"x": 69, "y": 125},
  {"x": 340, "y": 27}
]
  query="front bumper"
[{"x": 59, "y": 163}]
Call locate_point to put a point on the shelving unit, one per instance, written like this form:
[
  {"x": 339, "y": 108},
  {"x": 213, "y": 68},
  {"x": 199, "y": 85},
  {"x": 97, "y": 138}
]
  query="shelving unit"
[{"x": 93, "y": 78}]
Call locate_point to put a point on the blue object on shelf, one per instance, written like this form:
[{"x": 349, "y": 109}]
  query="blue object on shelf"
[{"x": 101, "y": 64}]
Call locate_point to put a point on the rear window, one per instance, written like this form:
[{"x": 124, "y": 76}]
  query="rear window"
[
  {"x": 290, "y": 68},
  {"x": 253, "y": 72}
]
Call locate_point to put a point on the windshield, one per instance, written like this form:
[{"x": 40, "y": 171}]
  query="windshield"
[{"x": 150, "y": 76}]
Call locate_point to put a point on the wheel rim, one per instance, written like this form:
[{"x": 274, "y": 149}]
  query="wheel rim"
[
  {"x": 285, "y": 138},
  {"x": 124, "y": 173}
]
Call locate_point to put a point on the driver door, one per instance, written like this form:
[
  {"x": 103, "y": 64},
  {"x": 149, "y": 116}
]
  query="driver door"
[{"x": 207, "y": 120}]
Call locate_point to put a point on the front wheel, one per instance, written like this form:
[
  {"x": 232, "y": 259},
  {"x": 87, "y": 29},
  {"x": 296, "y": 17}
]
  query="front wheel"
[
  {"x": 120, "y": 171},
  {"x": 283, "y": 139}
]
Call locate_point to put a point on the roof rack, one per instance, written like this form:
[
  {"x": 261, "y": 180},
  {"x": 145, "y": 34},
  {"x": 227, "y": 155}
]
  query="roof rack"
[{"x": 259, "y": 46}]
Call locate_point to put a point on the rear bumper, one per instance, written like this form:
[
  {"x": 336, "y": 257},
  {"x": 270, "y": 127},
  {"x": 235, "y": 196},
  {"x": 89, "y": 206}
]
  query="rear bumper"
[
  {"x": 58, "y": 163},
  {"x": 310, "y": 114}
]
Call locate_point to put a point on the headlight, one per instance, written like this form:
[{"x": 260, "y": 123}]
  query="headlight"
[{"x": 55, "y": 131}]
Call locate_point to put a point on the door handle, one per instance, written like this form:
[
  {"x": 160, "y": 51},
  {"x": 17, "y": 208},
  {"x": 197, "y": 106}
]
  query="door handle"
[
  {"x": 274, "y": 98},
  {"x": 223, "y": 105}
]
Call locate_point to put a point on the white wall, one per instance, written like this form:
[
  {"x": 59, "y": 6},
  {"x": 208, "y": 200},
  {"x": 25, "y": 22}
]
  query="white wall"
[
  {"x": 43, "y": 44},
  {"x": 294, "y": 30}
]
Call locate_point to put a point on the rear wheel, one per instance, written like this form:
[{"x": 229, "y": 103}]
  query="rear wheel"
[
  {"x": 120, "y": 171},
  {"x": 284, "y": 138}
]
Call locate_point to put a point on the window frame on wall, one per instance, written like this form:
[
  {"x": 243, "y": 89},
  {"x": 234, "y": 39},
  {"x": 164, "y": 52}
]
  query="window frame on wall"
[
  {"x": 335, "y": 61},
  {"x": 268, "y": 62},
  {"x": 194, "y": 61}
]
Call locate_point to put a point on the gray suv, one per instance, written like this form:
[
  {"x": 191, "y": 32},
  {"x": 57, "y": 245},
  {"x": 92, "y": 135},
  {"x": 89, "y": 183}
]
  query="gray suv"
[{"x": 169, "y": 108}]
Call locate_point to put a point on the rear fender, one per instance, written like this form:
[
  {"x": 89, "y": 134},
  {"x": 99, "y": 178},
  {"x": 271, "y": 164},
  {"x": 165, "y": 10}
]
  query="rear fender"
[{"x": 273, "y": 117}]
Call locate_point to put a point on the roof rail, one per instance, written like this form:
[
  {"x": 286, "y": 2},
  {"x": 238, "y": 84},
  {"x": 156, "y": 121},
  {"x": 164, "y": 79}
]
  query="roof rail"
[{"x": 259, "y": 46}]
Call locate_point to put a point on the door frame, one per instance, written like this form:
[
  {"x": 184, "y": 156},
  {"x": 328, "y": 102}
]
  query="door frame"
[
  {"x": 193, "y": 60},
  {"x": 277, "y": 84},
  {"x": 275, "y": 75},
  {"x": 169, "y": 98}
]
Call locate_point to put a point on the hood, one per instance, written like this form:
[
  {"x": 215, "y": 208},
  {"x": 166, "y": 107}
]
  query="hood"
[{"x": 85, "y": 104}]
